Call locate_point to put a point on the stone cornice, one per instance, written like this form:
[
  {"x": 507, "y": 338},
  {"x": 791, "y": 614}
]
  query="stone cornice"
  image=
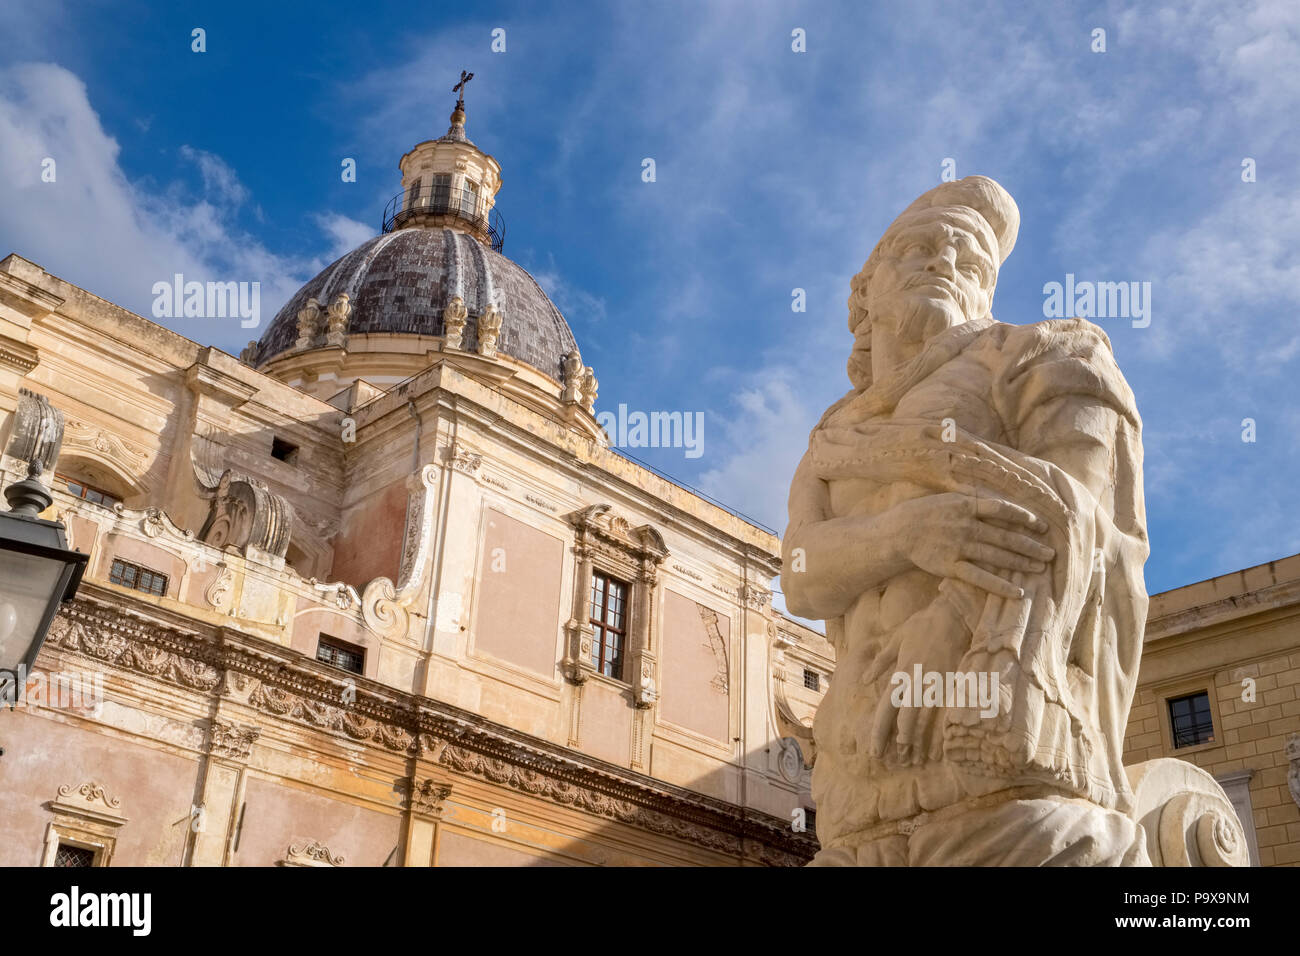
[
  {"x": 282, "y": 684},
  {"x": 1278, "y": 597},
  {"x": 19, "y": 356},
  {"x": 204, "y": 380},
  {"x": 30, "y": 299},
  {"x": 601, "y": 465}
]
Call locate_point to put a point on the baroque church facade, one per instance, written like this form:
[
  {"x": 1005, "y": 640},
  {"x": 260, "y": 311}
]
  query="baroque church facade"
[{"x": 379, "y": 592}]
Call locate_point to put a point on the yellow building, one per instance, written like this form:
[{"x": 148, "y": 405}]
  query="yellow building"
[
  {"x": 380, "y": 592},
  {"x": 1219, "y": 686}
]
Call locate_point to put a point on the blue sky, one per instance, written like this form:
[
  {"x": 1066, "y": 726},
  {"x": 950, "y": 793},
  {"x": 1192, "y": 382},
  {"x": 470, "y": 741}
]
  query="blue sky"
[{"x": 775, "y": 170}]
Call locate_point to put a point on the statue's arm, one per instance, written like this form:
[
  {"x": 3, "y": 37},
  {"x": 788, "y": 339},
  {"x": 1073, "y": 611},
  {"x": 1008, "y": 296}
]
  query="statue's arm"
[
  {"x": 1076, "y": 433},
  {"x": 827, "y": 563},
  {"x": 1065, "y": 395}
]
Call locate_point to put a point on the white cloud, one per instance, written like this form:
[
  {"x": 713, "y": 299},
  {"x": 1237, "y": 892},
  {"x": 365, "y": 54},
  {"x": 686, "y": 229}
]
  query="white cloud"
[
  {"x": 95, "y": 228},
  {"x": 574, "y": 303},
  {"x": 345, "y": 235},
  {"x": 219, "y": 180},
  {"x": 764, "y": 433}
]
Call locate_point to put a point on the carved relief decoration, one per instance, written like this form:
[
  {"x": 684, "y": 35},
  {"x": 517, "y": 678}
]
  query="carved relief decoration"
[
  {"x": 256, "y": 673},
  {"x": 37, "y": 430},
  {"x": 341, "y": 595},
  {"x": 220, "y": 593},
  {"x": 489, "y": 331},
  {"x": 336, "y": 330},
  {"x": 311, "y": 854},
  {"x": 91, "y": 794},
  {"x": 716, "y": 643},
  {"x": 125, "y": 455},
  {"x": 231, "y": 740},
  {"x": 454, "y": 316},
  {"x": 461, "y": 459},
  {"x": 757, "y": 598},
  {"x": 308, "y": 324},
  {"x": 426, "y": 796},
  {"x": 574, "y": 375},
  {"x": 159, "y": 652},
  {"x": 790, "y": 762},
  {"x": 246, "y": 514},
  {"x": 383, "y": 603},
  {"x": 207, "y": 458},
  {"x": 784, "y": 719},
  {"x": 155, "y": 523}
]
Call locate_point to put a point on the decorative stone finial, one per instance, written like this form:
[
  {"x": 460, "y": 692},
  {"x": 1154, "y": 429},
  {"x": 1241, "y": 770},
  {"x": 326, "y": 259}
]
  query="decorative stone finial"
[
  {"x": 308, "y": 323},
  {"x": 589, "y": 386},
  {"x": 339, "y": 311},
  {"x": 453, "y": 322},
  {"x": 489, "y": 330},
  {"x": 37, "y": 433},
  {"x": 573, "y": 377}
]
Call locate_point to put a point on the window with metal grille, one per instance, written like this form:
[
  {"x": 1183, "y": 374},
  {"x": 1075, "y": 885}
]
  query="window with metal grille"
[
  {"x": 812, "y": 680},
  {"x": 609, "y": 619},
  {"x": 82, "y": 490},
  {"x": 69, "y": 855},
  {"x": 133, "y": 576},
  {"x": 1191, "y": 720},
  {"x": 341, "y": 654}
]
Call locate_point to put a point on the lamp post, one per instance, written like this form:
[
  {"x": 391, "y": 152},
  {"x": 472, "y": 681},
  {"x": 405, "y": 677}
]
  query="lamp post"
[{"x": 37, "y": 573}]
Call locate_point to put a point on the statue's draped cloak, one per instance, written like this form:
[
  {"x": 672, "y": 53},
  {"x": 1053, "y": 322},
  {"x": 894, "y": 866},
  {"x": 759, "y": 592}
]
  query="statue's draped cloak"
[{"x": 1067, "y": 653}]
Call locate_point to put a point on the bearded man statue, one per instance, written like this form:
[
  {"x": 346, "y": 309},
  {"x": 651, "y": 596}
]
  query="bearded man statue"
[{"x": 972, "y": 512}]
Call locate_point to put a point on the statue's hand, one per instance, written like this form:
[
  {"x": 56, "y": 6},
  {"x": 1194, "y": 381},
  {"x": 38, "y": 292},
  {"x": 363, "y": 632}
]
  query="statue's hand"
[{"x": 954, "y": 535}]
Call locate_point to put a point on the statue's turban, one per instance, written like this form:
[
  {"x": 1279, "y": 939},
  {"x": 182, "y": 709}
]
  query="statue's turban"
[{"x": 994, "y": 212}]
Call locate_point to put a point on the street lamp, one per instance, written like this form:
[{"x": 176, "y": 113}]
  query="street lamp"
[{"x": 37, "y": 574}]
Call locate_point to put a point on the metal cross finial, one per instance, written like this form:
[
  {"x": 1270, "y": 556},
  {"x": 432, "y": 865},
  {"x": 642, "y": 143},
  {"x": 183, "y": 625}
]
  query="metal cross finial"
[{"x": 460, "y": 88}]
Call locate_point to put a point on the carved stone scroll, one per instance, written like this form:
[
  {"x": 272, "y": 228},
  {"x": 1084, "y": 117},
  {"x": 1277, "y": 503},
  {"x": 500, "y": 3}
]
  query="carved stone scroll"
[
  {"x": 37, "y": 430},
  {"x": 383, "y": 603},
  {"x": 247, "y": 515}
]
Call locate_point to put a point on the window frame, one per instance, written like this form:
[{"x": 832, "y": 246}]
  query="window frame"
[
  {"x": 61, "y": 843},
  {"x": 440, "y": 191},
  {"x": 469, "y": 188},
  {"x": 1183, "y": 687},
  {"x": 1197, "y": 726},
  {"x": 605, "y": 541},
  {"x": 140, "y": 569},
  {"x": 602, "y": 626},
  {"x": 85, "y": 818},
  {"x": 338, "y": 645},
  {"x": 68, "y": 481}
]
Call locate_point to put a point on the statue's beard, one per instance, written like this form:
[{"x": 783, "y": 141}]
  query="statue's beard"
[{"x": 923, "y": 318}]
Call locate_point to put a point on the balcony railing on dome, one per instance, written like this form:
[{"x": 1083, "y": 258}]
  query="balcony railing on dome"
[{"x": 431, "y": 201}]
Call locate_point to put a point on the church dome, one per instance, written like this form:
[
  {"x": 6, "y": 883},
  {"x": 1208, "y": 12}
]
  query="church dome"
[{"x": 401, "y": 282}]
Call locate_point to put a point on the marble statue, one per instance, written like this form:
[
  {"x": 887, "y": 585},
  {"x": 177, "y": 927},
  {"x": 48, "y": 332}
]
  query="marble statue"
[{"x": 969, "y": 522}]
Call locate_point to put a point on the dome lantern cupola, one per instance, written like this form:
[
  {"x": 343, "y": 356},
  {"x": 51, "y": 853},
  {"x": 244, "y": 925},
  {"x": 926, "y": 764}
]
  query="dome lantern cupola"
[
  {"x": 449, "y": 183},
  {"x": 433, "y": 289}
]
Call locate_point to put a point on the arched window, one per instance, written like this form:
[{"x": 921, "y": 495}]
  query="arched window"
[{"x": 91, "y": 482}]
